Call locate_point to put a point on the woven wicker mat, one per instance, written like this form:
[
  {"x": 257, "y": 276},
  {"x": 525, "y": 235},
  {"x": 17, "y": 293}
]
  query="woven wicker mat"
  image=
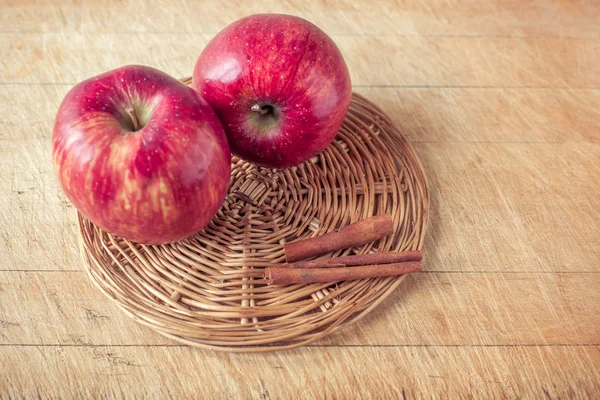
[{"x": 207, "y": 290}]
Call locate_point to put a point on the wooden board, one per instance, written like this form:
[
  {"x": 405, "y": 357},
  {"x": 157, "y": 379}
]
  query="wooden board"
[
  {"x": 445, "y": 372},
  {"x": 500, "y": 99},
  {"x": 400, "y": 61},
  {"x": 431, "y": 308},
  {"x": 347, "y": 17}
]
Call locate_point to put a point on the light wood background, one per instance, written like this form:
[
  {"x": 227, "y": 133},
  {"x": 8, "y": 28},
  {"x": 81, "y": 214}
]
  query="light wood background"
[{"x": 501, "y": 99}]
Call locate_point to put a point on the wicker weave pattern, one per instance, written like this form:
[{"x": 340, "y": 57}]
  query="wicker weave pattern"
[{"x": 207, "y": 290}]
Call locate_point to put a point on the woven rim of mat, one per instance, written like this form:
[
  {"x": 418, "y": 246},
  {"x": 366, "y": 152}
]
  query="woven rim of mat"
[{"x": 207, "y": 291}]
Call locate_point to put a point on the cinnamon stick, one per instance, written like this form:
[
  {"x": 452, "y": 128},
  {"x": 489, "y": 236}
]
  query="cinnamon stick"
[
  {"x": 361, "y": 259},
  {"x": 288, "y": 276},
  {"x": 357, "y": 234}
]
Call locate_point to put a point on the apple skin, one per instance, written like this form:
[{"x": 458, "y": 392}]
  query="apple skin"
[
  {"x": 158, "y": 184},
  {"x": 279, "y": 85}
]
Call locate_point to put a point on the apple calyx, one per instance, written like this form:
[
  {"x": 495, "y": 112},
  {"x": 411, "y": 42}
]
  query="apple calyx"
[
  {"x": 265, "y": 117},
  {"x": 263, "y": 109},
  {"x": 135, "y": 122}
]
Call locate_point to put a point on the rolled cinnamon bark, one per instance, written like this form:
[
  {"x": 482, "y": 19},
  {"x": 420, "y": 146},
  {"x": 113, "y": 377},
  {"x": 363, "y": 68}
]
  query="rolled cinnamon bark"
[
  {"x": 361, "y": 259},
  {"x": 289, "y": 276},
  {"x": 357, "y": 234}
]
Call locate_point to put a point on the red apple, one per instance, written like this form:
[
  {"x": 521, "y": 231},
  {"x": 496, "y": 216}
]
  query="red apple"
[
  {"x": 141, "y": 155},
  {"x": 279, "y": 85}
]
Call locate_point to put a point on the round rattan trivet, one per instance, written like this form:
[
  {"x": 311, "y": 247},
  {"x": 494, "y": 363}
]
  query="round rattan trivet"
[{"x": 207, "y": 290}]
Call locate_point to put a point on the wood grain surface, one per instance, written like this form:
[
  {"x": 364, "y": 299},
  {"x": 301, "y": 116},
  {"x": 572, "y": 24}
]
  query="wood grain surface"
[{"x": 500, "y": 99}]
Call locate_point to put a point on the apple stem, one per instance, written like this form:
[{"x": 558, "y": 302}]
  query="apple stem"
[
  {"x": 261, "y": 110},
  {"x": 134, "y": 118}
]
